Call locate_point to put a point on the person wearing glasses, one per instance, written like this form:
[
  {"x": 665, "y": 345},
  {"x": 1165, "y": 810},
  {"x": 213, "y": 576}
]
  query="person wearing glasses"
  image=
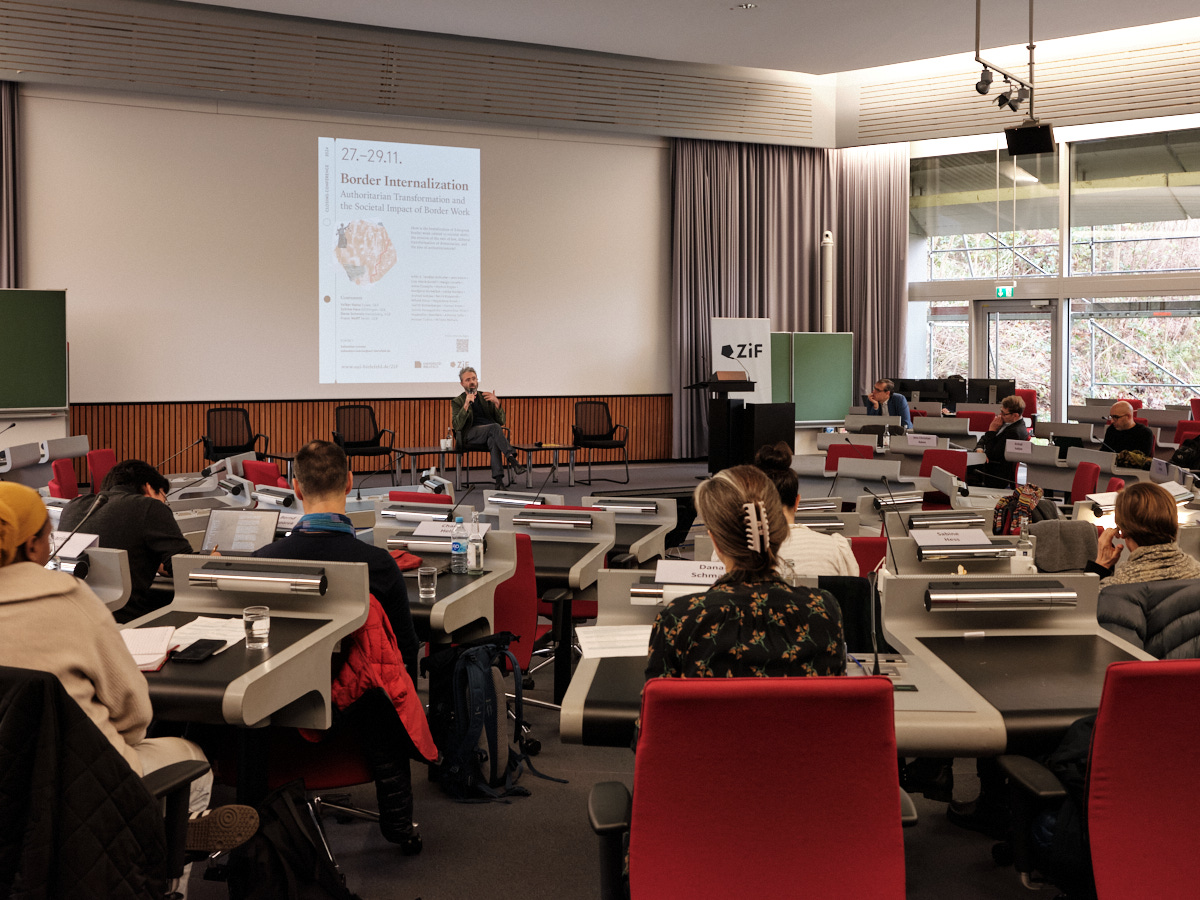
[
  {"x": 884, "y": 401},
  {"x": 1123, "y": 433},
  {"x": 1007, "y": 425}
]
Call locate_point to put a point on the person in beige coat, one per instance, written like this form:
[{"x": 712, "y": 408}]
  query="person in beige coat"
[{"x": 53, "y": 622}]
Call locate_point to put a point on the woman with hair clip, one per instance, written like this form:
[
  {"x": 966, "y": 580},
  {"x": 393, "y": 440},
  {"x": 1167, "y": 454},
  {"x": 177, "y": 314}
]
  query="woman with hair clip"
[
  {"x": 750, "y": 622},
  {"x": 805, "y": 551}
]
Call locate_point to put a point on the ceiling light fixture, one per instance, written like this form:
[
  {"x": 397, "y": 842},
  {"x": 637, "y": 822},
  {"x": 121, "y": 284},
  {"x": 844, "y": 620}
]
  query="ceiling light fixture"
[{"x": 1030, "y": 136}]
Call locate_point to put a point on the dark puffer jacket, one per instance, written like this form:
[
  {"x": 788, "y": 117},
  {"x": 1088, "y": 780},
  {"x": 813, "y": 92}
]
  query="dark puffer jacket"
[{"x": 1162, "y": 617}]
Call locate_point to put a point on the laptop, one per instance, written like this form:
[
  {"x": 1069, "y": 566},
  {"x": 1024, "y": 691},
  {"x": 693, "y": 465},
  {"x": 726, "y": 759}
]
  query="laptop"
[{"x": 239, "y": 532}]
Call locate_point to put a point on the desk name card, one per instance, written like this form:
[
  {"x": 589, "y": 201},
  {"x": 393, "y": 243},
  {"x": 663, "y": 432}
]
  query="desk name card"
[
  {"x": 687, "y": 571},
  {"x": 443, "y": 529},
  {"x": 1017, "y": 448},
  {"x": 922, "y": 440},
  {"x": 934, "y": 538}
]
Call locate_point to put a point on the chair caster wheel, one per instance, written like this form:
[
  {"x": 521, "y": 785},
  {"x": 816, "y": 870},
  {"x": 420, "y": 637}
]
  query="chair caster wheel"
[
  {"x": 412, "y": 846},
  {"x": 527, "y": 683},
  {"x": 533, "y": 747}
]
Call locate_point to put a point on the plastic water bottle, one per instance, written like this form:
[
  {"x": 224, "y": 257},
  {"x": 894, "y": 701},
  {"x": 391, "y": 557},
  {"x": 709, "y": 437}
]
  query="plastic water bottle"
[
  {"x": 475, "y": 548},
  {"x": 458, "y": 548}
]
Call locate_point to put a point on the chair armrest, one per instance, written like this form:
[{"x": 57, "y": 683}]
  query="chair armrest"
[
  {"x": 391, "y": 444},
  {"x": 1032, "y": 777},
  {"x": 624, "y": 432},
  {"x": 170, "y": 778},
  {"x": 557, "y": 595},
  {"x": 609, "y": 806},
  {"x": 908, "y": 810},
  {"x": 337, "y": 439},
  {"x": 266, "y": 443},
  {"x": 622, "y": 561}
]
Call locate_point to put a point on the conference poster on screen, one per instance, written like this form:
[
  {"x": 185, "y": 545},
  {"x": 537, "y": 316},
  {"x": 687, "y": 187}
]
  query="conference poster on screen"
[{"x": 399, "y": 261}]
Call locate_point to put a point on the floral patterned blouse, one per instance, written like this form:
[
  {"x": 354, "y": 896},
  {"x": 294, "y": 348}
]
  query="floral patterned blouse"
[{"x": 753, "y": 628}]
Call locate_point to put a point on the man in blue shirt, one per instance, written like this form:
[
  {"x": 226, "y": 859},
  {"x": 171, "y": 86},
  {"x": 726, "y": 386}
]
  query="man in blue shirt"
[{"x": 883, "y": 398}]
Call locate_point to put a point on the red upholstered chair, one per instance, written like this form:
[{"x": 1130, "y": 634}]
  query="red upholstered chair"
[
  {"x": 979, "y": 420},
  {"x": 516, "y": 603},
  {"x": 1186, "y": 428},
  {"x": 953, "y": 461},
  {"x": 1132, "y": 401},
  {"x": 868, "y": 551},
  {"x": 1143, "y": 778},
  {"x": 917, "y": 412},
  {"x": 264, "y": 474},
  {"x": 98, "y": 463},
  {"x": 1195, "y": 404},
  {"x": 64, "y": 484},
  {"x": 1086, "y": 480},
  {"x": 787, "y": 747},
  {"x": 420, "y": 497},
  {"x": 1115, "y": 484},
  {"x": 838, "y": 452},
  {"x": 1030, "y": 397}
]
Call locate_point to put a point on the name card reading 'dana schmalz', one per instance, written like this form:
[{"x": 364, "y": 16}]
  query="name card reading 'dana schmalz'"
[
  {"x": 687, "y": 571},
  {"x": 443, "y": 529}
]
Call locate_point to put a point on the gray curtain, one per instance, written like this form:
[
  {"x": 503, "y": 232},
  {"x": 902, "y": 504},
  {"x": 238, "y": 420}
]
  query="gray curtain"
[
  {"x": 8, "y": 184},
  {"x": 747, "y": 226}
]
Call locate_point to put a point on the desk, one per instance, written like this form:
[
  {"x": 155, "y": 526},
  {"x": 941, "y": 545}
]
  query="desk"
[
  {"x": 413, "y": 453},
  {"x": 554, "y": 450},
  {"x": 643, "y": 523}
]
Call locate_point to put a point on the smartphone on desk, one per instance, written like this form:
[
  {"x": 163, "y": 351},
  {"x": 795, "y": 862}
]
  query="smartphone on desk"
[{"x": 197, "y": 651}]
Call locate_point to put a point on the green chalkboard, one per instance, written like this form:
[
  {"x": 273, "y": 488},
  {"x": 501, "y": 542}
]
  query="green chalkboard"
[
  {"x": 781, "y": 367},
  {"x": 822, "y": 375},
  {"x": 33, "y": 350}
]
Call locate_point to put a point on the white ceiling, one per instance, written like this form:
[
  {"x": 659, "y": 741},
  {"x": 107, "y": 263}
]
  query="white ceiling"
[{"x": 815, "y": 38}]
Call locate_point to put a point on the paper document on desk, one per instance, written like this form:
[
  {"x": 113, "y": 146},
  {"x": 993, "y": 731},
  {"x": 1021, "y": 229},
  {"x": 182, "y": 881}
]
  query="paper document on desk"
[
  {"x": 229, "y": 630},
  {"x": 149, "y": 646},
  {"x": 598, "y": 641}
]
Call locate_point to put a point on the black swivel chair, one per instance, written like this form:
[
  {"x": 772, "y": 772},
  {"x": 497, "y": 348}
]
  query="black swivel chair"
[
  {"x": 461, "y": 449},
  {"x": 229, "y": 433},
  {"x": 358, "y": 434},
  {"x": 99, "y": 829},
  {"x": 594, "y": 430}
]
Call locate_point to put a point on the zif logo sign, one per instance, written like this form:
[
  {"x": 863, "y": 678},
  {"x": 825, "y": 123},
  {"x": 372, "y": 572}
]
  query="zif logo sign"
[{"x": 742, "y": 351}]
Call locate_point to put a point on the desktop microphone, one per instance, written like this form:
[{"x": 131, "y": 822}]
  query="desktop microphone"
[
  {"x": 184, "y": 450},
  {"x": 727, "y": 352},
  {"x": 538, "y": 497},
  {"x": 100, "y": 500},
  {"x": 7, "y": 427},
  {"x": 458, "y": 503},
  {"x": 378, "y": 471}
]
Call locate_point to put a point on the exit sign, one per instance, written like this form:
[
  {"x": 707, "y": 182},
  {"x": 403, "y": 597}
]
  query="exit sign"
[{"x": 1005, "y": 292}]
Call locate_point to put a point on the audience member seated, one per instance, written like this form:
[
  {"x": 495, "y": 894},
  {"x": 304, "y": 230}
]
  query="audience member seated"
[
  {"x": 750, "y": 622},
  {"x": 389, "y": 724},
  {"x": 130, "y": 513},
  {"x": 322, "y": 482},
  {"x": 886, "y": 402},
  {"x": 1148, "y": 519},
  {"x": 52, "y": 622},
  {"x": 1008, "y": 425},
  {"x": 1123, "y": 433},
  {"x": 1161, "y": 617},
  {"x": 804, "y": 552}
]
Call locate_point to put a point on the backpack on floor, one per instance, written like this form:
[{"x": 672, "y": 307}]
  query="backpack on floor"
[
  {"x": 483, "y": 755},
  {"x": 288, "y": 859}
]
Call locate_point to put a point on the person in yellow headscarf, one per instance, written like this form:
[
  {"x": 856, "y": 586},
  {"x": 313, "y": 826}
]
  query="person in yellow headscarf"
[{"x": 51, "y": 621}]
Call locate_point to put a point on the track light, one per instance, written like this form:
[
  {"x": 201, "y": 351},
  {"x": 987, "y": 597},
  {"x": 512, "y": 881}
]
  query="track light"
[{"x": 985, "y": 81}]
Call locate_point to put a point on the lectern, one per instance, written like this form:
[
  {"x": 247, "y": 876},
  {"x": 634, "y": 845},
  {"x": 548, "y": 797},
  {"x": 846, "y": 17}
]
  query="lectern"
[{"x": 724, "y": 417}]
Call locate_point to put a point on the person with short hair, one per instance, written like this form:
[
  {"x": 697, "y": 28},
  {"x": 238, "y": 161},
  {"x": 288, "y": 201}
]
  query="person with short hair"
[
  {"x": 53, "y": 622},
  {"x": 322, "y": 481},
  {"x": 884, "y": 401},
  {"x": 379, "y": 704},
  {"x": 1123, "y": 433},
  {"x": 130, "y": 513},
  {"x": 1147, "y": 518},
  {"x": 1007, "y": 425},
  {"x": 750, "y": 622},
  {"x": 804, "y": 551},
  {"x": 479, "y": 417}
]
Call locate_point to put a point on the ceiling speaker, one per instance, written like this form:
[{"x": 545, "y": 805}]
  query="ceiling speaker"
[{"x": 1025, "y": 140}]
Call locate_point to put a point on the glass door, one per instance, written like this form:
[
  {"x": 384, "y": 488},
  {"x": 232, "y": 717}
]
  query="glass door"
[{"x": 1021, "y": 339}]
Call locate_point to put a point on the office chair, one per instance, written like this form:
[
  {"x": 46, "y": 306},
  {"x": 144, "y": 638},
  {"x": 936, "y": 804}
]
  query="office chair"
[
  {"x": 98, "y": 463},
  {"x": 1143, "y": 774},
  {"x": 953, "y": 461},
  {"x": 357, "y": 433},
  {"x": 594, "y": 430},
  {"x": 99, "y": 829},
  {"x": 64, "y": 484},
  {"x": 814, "y": 758},
  {"x": 979, "y": 420},
  {"x": 1115, "y": 484},
  {"x": 837, "y": 452},
  {"x": 261, "y": 472},
  {"x": 869, "y": 551},
  {"x": 1086, "y": 480},
  {"x": 1187, "y": 428},
  {"x": 1132, "y": 401},
  {"x": 1030, "y": 397},
  {"x": 1194, "y": 403},
  {"x": 461, "y": 449},
  {"x": 230, "y": 433}
]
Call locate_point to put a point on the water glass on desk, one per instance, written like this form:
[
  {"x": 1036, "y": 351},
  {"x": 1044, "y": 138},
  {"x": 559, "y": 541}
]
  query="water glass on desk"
[
  {"x": 427, "y": 583},
  {"x": 257, "y": 620}
]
